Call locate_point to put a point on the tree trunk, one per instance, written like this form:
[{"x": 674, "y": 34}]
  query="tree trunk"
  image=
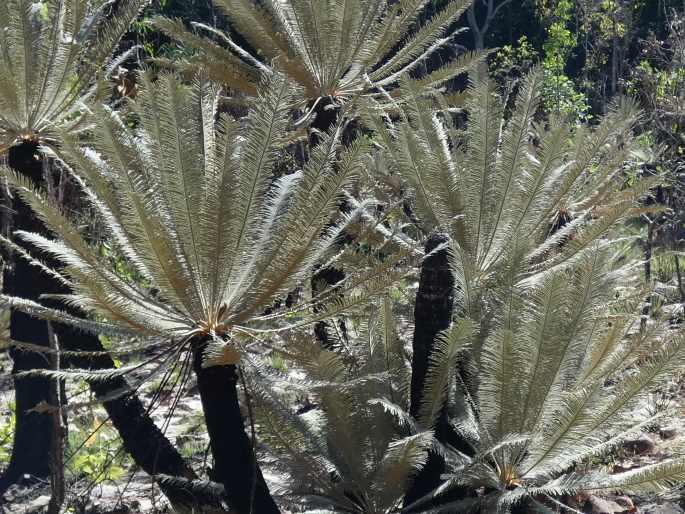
[
  {"x": 647, "y": 248},
  {"x": 321, "y": 279},
  {"x": 432, "y": 314},
  {"x": 58, "y": 432},
  {"x": 478, "y": 37},
  {"x": 235, "y": 462},
  {"x": 679, "y": 276},
  {"x": 32, "y": 435},
  {"x": 142, "y": 439}
]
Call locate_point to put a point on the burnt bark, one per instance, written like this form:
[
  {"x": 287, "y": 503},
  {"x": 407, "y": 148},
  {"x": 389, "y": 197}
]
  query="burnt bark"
[
  {"x": 648, "y": 245},
  {"x": 141, "y": 437},
  {"x": 32, "y": 435},
  {"x": 59, "y": 433},
  {"x": 322, "y": 279},
  {"x": 679, "y": 276},
  {"x": 432, "y": 314},
  {"x": 235, "y": 461}
]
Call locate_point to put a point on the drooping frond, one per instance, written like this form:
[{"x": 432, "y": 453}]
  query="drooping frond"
[
  {"x": 443, "y": 364},
  {"x": 652, "y": 478}
]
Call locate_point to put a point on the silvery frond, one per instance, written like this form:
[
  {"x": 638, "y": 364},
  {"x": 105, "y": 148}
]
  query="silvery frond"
[
  {"x": 442, "y": 366},
  {"x": 651, "y": 478},
  {"x": 51, "y": 62},
  {"x": 331, "y": 48},
  {"x": 498, "y": 185},
  {"x": 189, "y": 199}
]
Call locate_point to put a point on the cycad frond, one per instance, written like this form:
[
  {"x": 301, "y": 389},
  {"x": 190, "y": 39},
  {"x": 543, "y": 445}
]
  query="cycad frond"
[
  {"x": 652, "y": 478},
  {"x": 354, "y": 450},
  {"x": 331, "y": 48},
  {"x": 497, "y": 191},
  {"x": 188, "y": 196},
  {"x": 50, "y": 64},
  {"x": 443, "y": 360}
]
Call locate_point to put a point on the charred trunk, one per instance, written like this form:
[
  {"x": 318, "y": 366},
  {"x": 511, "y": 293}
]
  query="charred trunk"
[
  {"x": 32, "y": 435},
  {"x": 647, "y": 248},
  {"x": 235, "y": 462},
  {"x": 142, "y": 438},
  {"x": 323, "y": 330},
  {"x": 432, "y": 314}
]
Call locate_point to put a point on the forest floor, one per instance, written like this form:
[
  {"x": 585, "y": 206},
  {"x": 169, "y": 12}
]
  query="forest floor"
[{"x": 101, "y": 480}]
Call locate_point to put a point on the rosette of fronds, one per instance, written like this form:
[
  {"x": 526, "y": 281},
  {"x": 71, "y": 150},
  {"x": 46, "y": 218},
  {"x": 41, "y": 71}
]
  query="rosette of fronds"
[
  {"x": 354, "y": 448},
  {"x": 51, "y": 57},
  {"x": 518, "y": 198},
  {"x": 331, "y": 48},
  {"x": 560, "y": 381},
  {"x": 190, "y": 200}
]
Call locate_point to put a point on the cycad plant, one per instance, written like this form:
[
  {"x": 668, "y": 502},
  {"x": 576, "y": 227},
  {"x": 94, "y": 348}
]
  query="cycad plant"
[
  {"x": 354, "y": 449},
  {"x": 189, "y": 197},
  {"x": 509, "y": 200},
  {"x": 53, "y": 54},
  {"x": 506, "y": 189},
  {"x": 52, "y": 57},
  {"x": 561, "y": 382},
  {"x": 335, "y": 50}
]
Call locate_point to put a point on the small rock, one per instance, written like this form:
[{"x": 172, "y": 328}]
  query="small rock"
[
  {"x": 641, "y": 444},
  {"x": 597, "y": 505},
  {"x": 664, "y": 508},
  {"x": 668, "y": 432}
]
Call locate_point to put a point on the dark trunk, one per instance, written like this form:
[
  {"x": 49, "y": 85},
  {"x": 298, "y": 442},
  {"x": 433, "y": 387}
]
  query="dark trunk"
[
  {"x": 235, "y": 462},
  {"x": 432, "y": 314},
  {"x": 59, "y": 433},
  {"x": 32, "y": 435},
  {"x": 679, "y": 276},
  {"x": 523, "y": 507},
  {"x": 148, "y": 446},
  {"x": 326, "y": 116},
  {"x": 141, "y": 437},
  {"x": 321, "y": 280}
]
